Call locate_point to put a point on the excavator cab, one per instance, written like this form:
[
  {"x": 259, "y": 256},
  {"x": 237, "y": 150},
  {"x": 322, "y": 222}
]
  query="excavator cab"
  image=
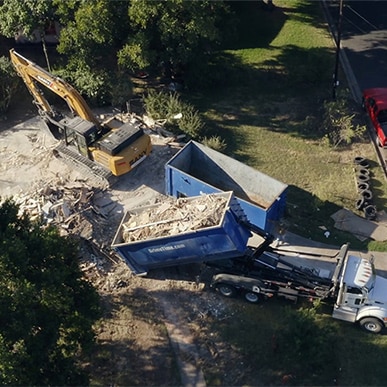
[{"x": 80, "y": 133}]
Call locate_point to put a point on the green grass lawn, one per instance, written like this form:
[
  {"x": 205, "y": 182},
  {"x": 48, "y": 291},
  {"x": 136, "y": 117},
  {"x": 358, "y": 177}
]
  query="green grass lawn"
[
  {"x": 269, "y": 112},
  {"x": 278, "y": 338},
  {"x": 270, "y": 115}
]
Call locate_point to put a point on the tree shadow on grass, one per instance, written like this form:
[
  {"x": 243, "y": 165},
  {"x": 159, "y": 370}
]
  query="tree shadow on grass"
[
  {"x": 254, "y": 25},
  {"x": 310, "y": 217},
  {"x": 285, "y": 95}
]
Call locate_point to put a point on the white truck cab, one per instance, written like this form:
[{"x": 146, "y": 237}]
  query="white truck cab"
[
  {"x": 358, "y": 294},
  {"x": 362, "y": 295}
]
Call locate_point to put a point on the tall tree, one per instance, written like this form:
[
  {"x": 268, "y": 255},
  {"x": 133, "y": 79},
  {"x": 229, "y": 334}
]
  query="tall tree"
[
  {"x": 177, "y": 33},
  {"x": 46, "y": 307},
  {"x": 173, "y": 35},
  {"x": 90, "y": 36},
  {"x": 25, "y": 17},
  {"x": 93, "y": 31}
]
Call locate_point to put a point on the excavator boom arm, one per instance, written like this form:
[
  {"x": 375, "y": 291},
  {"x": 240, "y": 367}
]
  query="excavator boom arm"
[{"x": 31, "y": 73}]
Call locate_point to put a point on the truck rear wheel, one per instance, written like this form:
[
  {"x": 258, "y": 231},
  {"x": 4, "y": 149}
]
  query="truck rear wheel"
[
  {"x": 371, "y": 324},
  {"x": 252, "y": 297},
  {"x": 226, "y": 290}
]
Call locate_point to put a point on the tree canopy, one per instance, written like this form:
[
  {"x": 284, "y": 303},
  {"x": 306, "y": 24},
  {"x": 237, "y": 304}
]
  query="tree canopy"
[
  {"x": 24, "y": 16},
  {"x": 47, "y": 308},
  {"x": 174, "y": 32},
  {"x": 100, "y": 37}
]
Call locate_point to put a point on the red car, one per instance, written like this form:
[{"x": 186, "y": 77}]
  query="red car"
[{"x": 375, "y": 104}]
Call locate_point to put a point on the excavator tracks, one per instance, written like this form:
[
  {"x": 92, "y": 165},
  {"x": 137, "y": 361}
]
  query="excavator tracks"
[{"x": 96, "y": 173}]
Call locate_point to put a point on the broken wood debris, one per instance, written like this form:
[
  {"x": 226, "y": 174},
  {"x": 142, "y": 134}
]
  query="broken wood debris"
[
  {"x": 157, "y": 127},
  {"x": 81, "y": 211},
  {"x": 74, "y": 208},
  {"x": 173, "y": 217}
]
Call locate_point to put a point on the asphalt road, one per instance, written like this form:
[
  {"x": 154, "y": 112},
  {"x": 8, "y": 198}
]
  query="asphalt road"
[
  {"x": 364, "y": 39},
  {"x": 364, "y": 43},
  {"x": 363, "y": 29}
]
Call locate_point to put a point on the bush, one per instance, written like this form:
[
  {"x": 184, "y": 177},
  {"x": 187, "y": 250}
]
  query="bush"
[
  {"x": 215, "y": 142},
  {"x": 190, "y": 123},
  {"x": 340, "y": 125},
  {"x": 173, "y": 106},
  {"x": 156, "y": 104},
  {"x": 180, "y": 116}
]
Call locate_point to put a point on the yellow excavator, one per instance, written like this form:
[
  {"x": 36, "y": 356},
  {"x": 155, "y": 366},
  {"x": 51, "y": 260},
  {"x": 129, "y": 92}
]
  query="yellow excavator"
[{"x": 115, "y": 145}]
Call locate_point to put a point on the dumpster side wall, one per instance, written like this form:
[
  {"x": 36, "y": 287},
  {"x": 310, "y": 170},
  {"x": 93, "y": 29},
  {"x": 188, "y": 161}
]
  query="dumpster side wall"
[
  {"x": 226, "y": 240},
  {"x": 198, "y": 169}
]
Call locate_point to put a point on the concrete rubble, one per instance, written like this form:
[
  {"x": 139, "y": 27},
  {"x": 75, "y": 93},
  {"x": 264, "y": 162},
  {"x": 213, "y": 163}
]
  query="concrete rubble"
[
  {"x": 79, "y": 211},
  {"x": 173, "y": 217},
  {"x": 75, "y": 208}
]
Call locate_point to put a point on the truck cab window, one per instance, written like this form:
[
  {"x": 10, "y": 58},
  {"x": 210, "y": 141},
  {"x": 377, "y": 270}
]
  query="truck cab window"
[{"x": 354, "y": 290}]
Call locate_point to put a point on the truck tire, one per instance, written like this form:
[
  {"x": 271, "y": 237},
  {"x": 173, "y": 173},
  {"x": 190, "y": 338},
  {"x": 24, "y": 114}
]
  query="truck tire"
[
  {"x": 371, "y": 324},
  {"x": 362, "y": 178},
  {"x": 252, "y": 297},
  {"x": 363, "y": 186},
  {"x": 361, "y": 162},
  {"x": 363, "y": 171},
  {"x": 226, "y": 290},
  {"x": 370, "y": 212},
  {"x": 367, "y": 195},
  {"x": 358, "y": 159},
  {"x": 360, "y": 203}
]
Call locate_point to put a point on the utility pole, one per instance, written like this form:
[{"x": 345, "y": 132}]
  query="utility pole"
[{"x": 338, "y": 44}]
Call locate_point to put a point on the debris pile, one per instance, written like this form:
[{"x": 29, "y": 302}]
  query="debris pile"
[
  {"x": 74, "y": 208},
  {"x": 173, "y": 217},
  {"x": 80, "y": 211}
]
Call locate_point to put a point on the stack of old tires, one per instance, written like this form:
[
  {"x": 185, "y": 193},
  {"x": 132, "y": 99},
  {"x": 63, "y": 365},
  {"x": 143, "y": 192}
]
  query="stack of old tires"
[{"x": 365, "y": 200}]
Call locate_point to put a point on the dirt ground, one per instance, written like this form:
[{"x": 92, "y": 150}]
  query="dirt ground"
[{"x": 156, "y": 330}]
